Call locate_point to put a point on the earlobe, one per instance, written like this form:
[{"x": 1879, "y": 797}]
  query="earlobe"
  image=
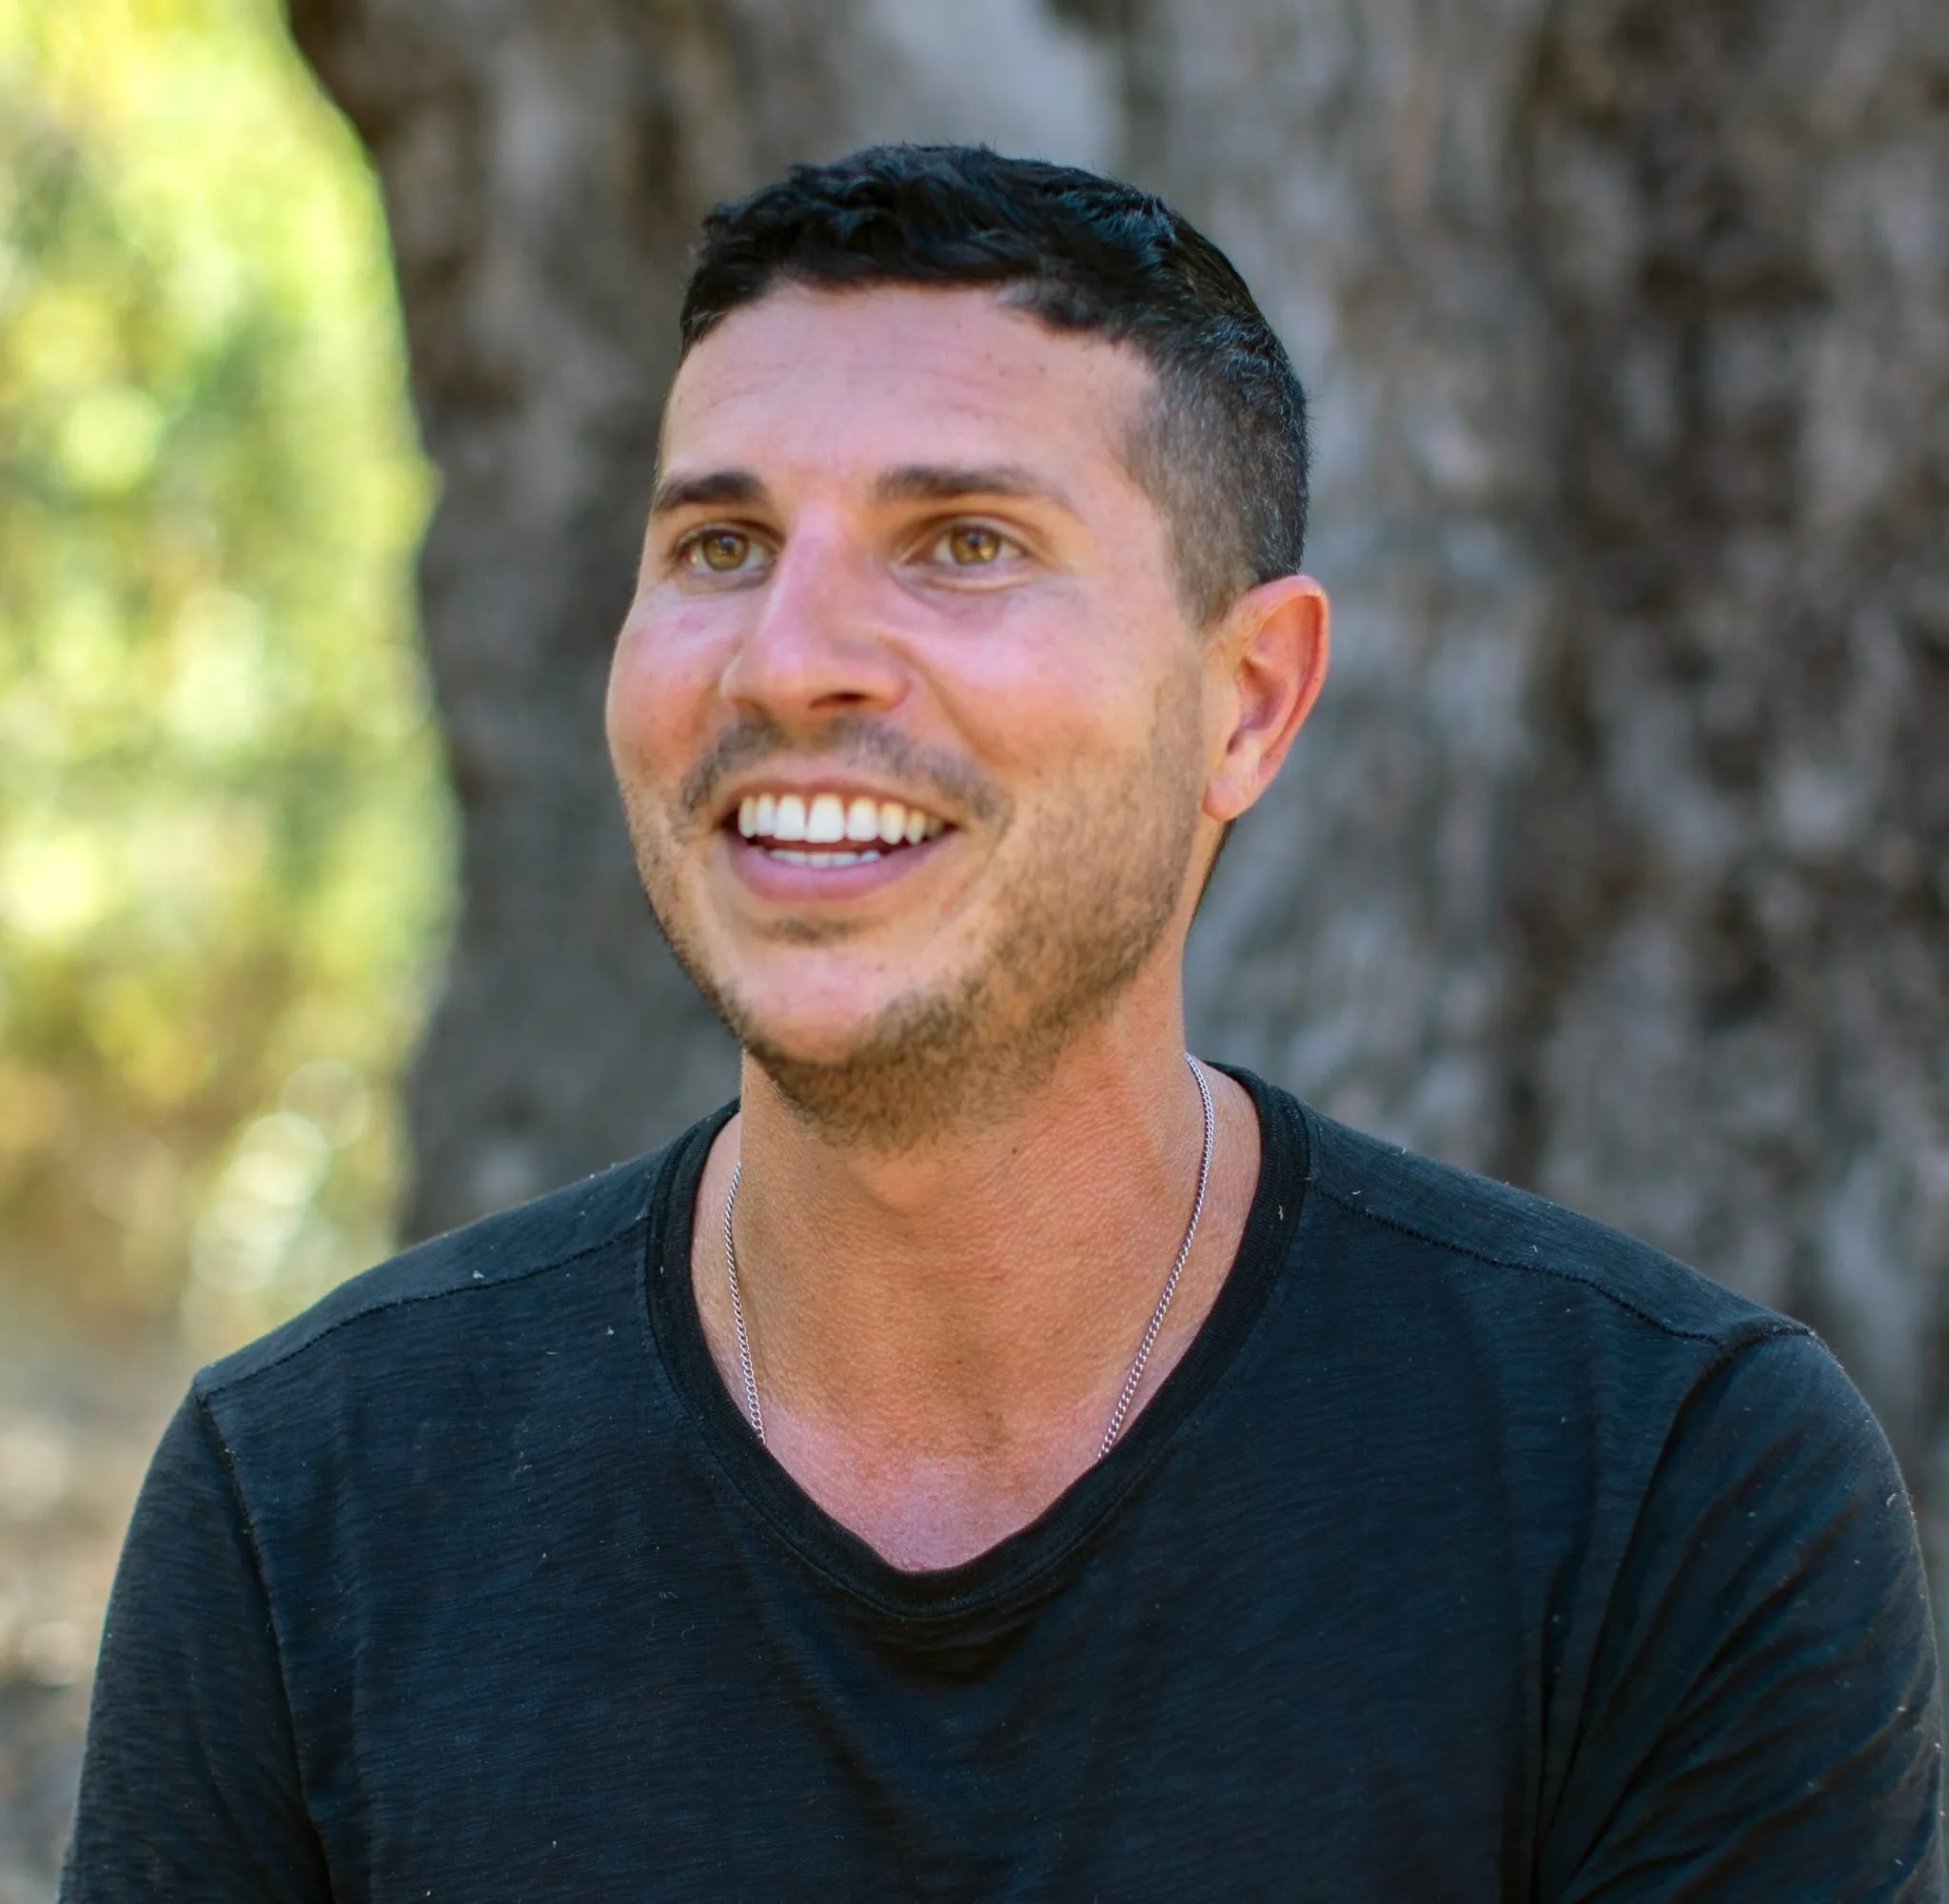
[{"x": 1275, "y": 648}]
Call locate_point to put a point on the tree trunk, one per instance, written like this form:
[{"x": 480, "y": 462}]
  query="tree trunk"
[{"x": 1617, "y": 858}]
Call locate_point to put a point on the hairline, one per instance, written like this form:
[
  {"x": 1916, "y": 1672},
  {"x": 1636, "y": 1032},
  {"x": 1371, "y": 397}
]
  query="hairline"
[{"x": 1141, "y": 446}]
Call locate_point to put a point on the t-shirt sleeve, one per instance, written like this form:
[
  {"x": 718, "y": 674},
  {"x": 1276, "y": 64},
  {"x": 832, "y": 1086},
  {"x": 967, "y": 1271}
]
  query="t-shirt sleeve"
[
  {"x": 189, "y": 1785},
  {"x": 1764, "y": 1719}
]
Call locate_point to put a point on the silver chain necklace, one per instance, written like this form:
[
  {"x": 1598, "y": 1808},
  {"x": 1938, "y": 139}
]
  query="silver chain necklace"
[{"x": 1121, "y": 1412}]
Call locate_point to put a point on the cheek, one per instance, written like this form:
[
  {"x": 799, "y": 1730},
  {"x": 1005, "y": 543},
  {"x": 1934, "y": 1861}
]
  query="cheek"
[
  {"x": 662, "y": 678},
  {"x": 1050, "y": 693}
]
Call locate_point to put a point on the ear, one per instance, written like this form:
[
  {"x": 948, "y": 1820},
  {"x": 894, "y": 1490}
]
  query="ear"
[{"x": 1269, "y": 656}]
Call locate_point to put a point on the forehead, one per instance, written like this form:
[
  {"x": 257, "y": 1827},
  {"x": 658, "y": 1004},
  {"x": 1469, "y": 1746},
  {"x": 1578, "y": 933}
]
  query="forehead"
[{"x": 901, "y": 375}]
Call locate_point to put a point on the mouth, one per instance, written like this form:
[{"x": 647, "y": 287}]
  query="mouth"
[{"x": 830, "y": 831}]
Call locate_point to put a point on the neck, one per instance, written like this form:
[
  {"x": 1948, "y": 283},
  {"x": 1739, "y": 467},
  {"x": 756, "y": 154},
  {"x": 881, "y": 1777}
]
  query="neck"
[{"x": 940, "y": 1334}]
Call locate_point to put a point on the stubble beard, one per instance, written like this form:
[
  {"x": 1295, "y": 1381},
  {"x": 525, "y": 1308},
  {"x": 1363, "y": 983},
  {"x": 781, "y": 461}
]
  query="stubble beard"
[{"x": 1088, "y": 905}]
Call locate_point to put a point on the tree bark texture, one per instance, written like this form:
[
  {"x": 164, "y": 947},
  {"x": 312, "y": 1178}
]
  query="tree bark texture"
[{"x": 1616, "y": 860}]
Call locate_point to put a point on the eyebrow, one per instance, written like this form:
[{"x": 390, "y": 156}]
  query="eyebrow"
[
  {"x": 945, "y": 483},
  {"x": 711, "y": 489},
  {"x": 910, "y": 483}
]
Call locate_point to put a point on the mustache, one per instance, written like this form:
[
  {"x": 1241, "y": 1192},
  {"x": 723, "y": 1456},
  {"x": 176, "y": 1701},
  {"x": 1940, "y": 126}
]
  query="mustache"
[{"x": 847, "y": 740}]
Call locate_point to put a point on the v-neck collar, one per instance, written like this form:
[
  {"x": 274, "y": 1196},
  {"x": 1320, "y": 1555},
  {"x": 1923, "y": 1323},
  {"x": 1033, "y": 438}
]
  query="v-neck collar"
[{"x": 1020, "y": 1569}]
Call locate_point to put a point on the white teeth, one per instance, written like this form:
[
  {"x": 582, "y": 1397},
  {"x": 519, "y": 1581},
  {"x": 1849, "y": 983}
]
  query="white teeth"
[
  {"x": 793, "y": 858},
  {"x": 825, "y": 819}
]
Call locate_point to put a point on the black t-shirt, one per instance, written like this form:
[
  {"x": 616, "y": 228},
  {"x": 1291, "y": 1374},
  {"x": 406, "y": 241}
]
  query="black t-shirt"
[{"x": 1472, "y": 1552}]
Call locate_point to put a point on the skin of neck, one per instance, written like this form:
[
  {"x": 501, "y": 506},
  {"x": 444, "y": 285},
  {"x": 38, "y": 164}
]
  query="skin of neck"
[{"x": 940, "y": 1333}]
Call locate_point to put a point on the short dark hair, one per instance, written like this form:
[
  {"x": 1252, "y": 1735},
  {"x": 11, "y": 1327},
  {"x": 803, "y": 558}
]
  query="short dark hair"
[{"x": 1224, "y": 452}]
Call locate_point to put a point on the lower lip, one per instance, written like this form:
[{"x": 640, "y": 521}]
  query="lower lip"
[{"x": 771, "y": 877}]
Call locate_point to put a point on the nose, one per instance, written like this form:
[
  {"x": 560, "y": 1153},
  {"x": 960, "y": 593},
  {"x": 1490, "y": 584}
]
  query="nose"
[{"x": 815, "y": 647}]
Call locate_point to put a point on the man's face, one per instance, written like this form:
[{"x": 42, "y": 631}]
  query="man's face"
[{"x": 908, "y": 720}]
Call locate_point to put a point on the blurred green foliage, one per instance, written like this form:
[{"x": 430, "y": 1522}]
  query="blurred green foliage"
[{"x": 225, "y": 846}]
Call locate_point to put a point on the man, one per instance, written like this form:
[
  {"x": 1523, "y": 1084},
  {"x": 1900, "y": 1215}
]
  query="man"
[{"x": 1002, "y": 1458}]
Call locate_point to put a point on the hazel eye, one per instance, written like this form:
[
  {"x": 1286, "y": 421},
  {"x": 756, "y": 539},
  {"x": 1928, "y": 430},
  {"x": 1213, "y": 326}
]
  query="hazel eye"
[
  {"x": 719, "y": 551},
  {"x": 970, "y": 545}
]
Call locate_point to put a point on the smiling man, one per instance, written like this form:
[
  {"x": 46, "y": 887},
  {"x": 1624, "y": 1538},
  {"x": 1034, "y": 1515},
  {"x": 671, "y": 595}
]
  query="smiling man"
[{"x": 1002, "y": 1456}]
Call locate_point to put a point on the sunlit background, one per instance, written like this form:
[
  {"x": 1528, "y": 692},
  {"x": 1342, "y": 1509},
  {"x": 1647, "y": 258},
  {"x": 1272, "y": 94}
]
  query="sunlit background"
[
  {"x": 223, "y": 843},
  {"x": 224, "y": 835}
]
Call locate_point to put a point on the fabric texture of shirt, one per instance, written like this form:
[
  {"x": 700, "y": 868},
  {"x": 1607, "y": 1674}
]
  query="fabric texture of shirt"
[{"x": 1472, "y": 1551}]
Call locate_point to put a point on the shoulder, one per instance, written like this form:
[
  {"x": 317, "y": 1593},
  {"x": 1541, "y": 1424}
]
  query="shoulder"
[
  {"x": 453, "y": 1373},
  {"x": 471, "y": 1279},
  {"x": 1659, "y": 1451},
  {"x": 1511, "y": 1250}
]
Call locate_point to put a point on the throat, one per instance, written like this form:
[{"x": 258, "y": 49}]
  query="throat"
[
  {"x": 936, "y": 1359},
  {"x": 923, "y": 1512}
]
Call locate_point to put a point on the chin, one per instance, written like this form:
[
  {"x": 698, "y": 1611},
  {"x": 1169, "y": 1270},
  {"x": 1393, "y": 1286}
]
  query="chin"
[
  {"x": 886, "y": 1069},
  {"x": 805, "y": 995},
  {"x": 816, "y": 1041},
  {"x": 834, "y": 1027}
]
